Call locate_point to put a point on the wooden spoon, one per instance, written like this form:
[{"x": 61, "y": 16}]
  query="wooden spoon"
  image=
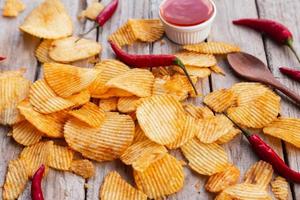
[{"x": 253, "y": 69}]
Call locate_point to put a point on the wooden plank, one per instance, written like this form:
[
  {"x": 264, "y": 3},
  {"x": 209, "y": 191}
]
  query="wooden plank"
[{"x": 287, "y": 13}]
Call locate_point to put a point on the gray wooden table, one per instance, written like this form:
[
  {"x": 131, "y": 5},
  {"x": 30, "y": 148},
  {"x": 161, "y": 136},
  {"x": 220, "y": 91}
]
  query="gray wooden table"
[{"x": 63, "y": 185}]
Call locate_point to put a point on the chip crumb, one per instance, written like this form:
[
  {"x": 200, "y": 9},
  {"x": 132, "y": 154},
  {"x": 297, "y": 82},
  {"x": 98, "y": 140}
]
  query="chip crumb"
[
  {"x": 198, "y": 185},
  {"x": 92, "y": 11},
  {"x": 12, "y": 8}
]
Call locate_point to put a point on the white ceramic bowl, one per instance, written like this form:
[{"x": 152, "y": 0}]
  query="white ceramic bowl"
[{"x": 188, "y": 34}]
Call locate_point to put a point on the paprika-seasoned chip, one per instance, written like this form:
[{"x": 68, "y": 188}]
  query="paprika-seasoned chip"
[
  {"x": 109, "y": 104},
  {"x": 166, "y": 110},
  {"x": 142, "y": 154},
  {"x": 258, "y": 113},
  {"x": 228, "y": 136},
  {"x": 12, "y": 8},
  {"x": 128, "y": 104},
  {"x": 244, "y": 191},
  {"x": 211, "y": 129},
  {"x": 222, "y": 180},
  {"x": 92, "y": 11},
  {"x": 42, "y": 51},
  {"x": 192, "y": 59},
  {"x": 199, "y": 72},
  {"x": 114, "y": 187},
  {"x": 84, "y": 168},
  {"x": 139, "y": 134},
  {"x": 47, "y": 124},
  {"x": 60, "y": 157},
  {"x": 103, "y": 143},
  {"x": 206, "y": 159},
  {"x": 68, "y": 50},
  {"x": 49, "y": 20},
  {"x": 26, "y": 134},
  {"x": 198, "y": 112},
  {"x": 220, "y": 100},
  {"x": 80, "y": 98},
  {"x": 217, "y": 70},
  {"x": 212, "y": 48},
  {"x": 146, "y": 30},
  {"x": 260, "y": 174},
  {"x": 35, "y": 155},
  {"x": 90, "y": 114},
  {"x": 66, "y": 80},
  {"x": 16, "y": 179},
  {"x": 161, "y": 178},
  {"x": 123, "y": 36},
  {"x": 135, "y": 81},
  {"x": 287, "y": 129},
  {"x": 280, "y": 188}
]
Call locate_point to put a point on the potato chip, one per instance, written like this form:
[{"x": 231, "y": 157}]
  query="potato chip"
[
  {"x": 46, "y": 124},
  {"x": 161, "y": 178},
  {"x": 16, "y": 179},
  {"x": 162, "y": 118},
  {"x": 135, "y": 81},
  {"x": 84, "y": 168},
  {"x": 139, "y": 134},
  {"x": 212, "y": 48},
  {"x": 258, "y": 113},
  {"x": 49, "y": 20},
  {"x": 142, "y": 154},
  {"x": 66, "y": 80},
  {"x": 114, "y": 187},
  {"x": 128, "y": 104},
  {"x": 60, "y": 157},
  {"x": 123, "y": 36},
  {"x": 109, "y": 104},
  {"x": 12, "y": 73},
  {"x": 244, "y": 191},
  {"x": 199, "y": 72},
  {"x": 190, "y": 129},
  {"x": 108, "y": 69},
  {"x": 26, "y": 134},
  {"x": 286, "y": 129},
  {"x": 211, "y": 129},
  {"x": 217, "y": 70},
  {"x": 104, "y": 143},
  {"x": 220, "y": 100},
  {"x": 80, "y": 98},
  {"x": 42, "y": 51},
  {"x": 69, "y": 50},
  {"x": 206, "y": 159},
  {"x": 92, "y": 11},
  {"x": 220, "y": 181},
  {"x": 90, "y": 114},
  {"x": 228, "y": 136},
  {"x": 114, "y": 92},
  {"x": 146, "y": 30},
  {"x": 192, "y": 59},
  {"x": 198, "y": 112},
  {"x": 280, "y": 188},
  {"x": 35, "y": 155},
  {"x": 12, "y": 8}
]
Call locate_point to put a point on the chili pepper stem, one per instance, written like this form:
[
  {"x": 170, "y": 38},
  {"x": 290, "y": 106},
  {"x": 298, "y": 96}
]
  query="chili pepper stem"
[
  {"x": 246, "y": 133},
  {"x": 289, "y": 43},
  {"x": 83, "y": 34}
]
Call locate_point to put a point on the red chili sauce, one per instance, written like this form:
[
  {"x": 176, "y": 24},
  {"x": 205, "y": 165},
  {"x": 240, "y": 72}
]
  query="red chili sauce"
[{"x": 186, "y": 12}]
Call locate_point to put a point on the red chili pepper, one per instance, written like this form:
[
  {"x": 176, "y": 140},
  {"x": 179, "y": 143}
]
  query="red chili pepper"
[
  {"x": 36, "y": 187},
  {"x": 2, "y": 58},
  {"x": 275, "y": 30},
  {"x": 293, "y": 73},
  {"x": 142, "y": 61}
]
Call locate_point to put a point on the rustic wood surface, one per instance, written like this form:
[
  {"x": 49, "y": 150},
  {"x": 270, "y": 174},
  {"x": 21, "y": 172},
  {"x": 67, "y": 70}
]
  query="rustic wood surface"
[{"x": 66, "y": 186}]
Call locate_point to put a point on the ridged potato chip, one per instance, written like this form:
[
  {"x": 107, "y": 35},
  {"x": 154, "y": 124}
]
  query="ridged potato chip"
[
  {"x": 217, "y": 70},
  {"x": 206, "y": 159},
  {"x": 128, "y": 104},
  {"x": 15, "y": 180},
  {"x": 198, "y": 112},
  {"x": 139, "y": 134},
  {"x": 287, "y": 129},
  {"x": 90, "y": 114},
  {"x": 258, "y": 113},
  {"x": 104, "y": 143},
  {"x": 92, "y": 11},
  {"x": 80, "y": 98},
  {"x": 213, "y": 128},
  {"x": 244, "y": 191},
  {"x": 142, "y": 154},
  {"x": 280, "y": 188},
  {"x": 123, "y": 36},
  {"x": 138, "y": 82},
  {"x": 164, "y": 110},
  {"x": 146, "y": 30},
  {"x": 84, "y": 168},
  {"x": 12, "y": 8},
  {"x": 47, "y": 124},
  {"x": 35, "y": 155},
  {"x": 67, "y": 50},
  {"x": 199, "y": 72},
  {"x": 66, "y": 80},
  {"x": 161, "y": 178},
  {"x": 220, "y": 181},
  {"x": 228, "y": 136},
  {"x": 49, "y": 20},
  {"x": 212, "y": 48},
  {"x": 260, "y": 174},
  {"x": 42, "y": 51},
  {"x": 109, "y": 104},
  {"x": 192, "y": 59},
  {"x": 114, "y": 187},
  {"x": 60, "y": 157},
  {"x": 220, "y": 100},
  {"x": 26, "y": 134},
  {"x": 114, "y": 92}
]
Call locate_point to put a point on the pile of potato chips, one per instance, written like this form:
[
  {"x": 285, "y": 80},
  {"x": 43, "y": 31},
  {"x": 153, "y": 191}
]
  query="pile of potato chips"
[{"x": 74, "y": 115}]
